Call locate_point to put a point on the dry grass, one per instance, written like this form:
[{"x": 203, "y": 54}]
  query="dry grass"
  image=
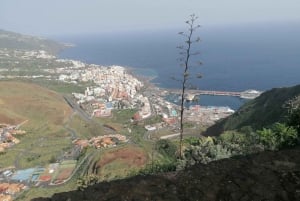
[
  {"x": 46, "y": 112},
  {"x": 131, "y": 155},
  {"x": 119, "y": 162},
  {"x": 22, "y": 101}
]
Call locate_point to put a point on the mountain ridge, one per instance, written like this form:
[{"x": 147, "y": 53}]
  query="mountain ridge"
[{"x": 12, "y": 40}]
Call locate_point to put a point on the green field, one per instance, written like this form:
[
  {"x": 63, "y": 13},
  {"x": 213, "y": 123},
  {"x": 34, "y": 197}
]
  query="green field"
[{"x": 50, "y": 124}]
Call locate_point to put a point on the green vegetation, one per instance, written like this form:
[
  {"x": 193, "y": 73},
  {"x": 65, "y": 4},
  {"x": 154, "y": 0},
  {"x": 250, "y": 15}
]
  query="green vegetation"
[
  {"x": 83, "y": 129},
  {"x": 46, "y": 191},
  {"x": 44, "y": 113},
  {"x": 115, "y": 163},
  {"x": 163, "y": 159},
  {"x": 270, "y": 107},
  {"x": 293, "y": 119},
  {"x": 270, "y": 122},
  {"x": 157, "y": 167},
  {"x": 14, "y": 41},
  {"x": 166, "y": 148},
  {"x": 121, "y": 122},
  {"x": 58, "y": 86},
  {"x": 153, "y": 120},
  {"x": 52, "y": 125},
  {"x": 231, "y": 143},
  {"x": 87, "y": 180},
  {"x": 123, "y": 116},
  {"x": 41, "y": 191},
  {"x": 278, "y": 136}
]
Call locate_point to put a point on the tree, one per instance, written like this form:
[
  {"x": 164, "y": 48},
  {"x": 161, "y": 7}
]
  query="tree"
[{"x": 186, "y": 53}]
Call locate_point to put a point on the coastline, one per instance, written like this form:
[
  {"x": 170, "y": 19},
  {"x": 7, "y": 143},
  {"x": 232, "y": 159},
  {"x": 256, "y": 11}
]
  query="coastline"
[
  {"x": 138, "y": 73},
  {"x": 149, "y": 76}
]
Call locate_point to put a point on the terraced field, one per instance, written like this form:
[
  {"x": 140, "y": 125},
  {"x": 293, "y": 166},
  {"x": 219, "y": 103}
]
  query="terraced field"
[{"x": 118, "y": 162}]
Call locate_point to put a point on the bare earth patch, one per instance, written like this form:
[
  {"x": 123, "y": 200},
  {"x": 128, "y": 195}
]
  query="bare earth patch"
[
  {"x": 125, "y": 157},
  {"x": 64, "y": 174}
]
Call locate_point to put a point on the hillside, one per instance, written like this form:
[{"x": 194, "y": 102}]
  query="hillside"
[
  {"x": 11, "y": 40},
  {"x": 268, "y": 108},
  {"x": 23, "y": 101},
  {"x": 264, "y": 176},
  {"x": 43, "y": 114}
]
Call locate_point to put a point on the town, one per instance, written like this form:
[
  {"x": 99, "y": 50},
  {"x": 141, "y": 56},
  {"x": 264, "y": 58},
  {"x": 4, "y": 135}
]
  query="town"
[
  {"x": 106, "y": 88},
  {"x": 14, "y": 181},
  {"x": 110, "y": 87},
  {"x": 7, "y": 136}
]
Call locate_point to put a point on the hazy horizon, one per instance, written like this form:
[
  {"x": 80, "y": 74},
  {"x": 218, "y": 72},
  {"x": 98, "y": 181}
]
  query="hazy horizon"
[{"x": 56, "y": 17}]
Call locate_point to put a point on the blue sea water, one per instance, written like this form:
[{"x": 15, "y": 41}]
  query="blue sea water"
[{"x": 235, "y": 58}]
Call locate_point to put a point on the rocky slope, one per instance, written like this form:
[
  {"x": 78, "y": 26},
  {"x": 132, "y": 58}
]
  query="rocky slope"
[{"x": 264, "y": 176}]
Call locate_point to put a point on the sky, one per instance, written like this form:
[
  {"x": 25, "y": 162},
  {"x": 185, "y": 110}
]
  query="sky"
[{"x": 46, "y": 17}]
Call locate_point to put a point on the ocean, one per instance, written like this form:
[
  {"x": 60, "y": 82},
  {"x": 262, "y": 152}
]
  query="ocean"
[{"x": 235, "y": 58}]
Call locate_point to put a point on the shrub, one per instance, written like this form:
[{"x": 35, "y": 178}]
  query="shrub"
[
  {"x": 166, "y": 148},
  {"x": 278, "y": 136}
]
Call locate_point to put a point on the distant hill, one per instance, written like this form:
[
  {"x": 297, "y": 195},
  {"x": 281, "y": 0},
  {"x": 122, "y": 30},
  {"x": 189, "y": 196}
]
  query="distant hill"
[
  {"x": 268, "y": 108},
  {"x": 11, "y": 40}
]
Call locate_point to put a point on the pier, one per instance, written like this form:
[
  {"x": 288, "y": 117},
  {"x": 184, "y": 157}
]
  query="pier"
[
  {"x": 190, "y": 94},
  {"x": 215, "y": 93}
]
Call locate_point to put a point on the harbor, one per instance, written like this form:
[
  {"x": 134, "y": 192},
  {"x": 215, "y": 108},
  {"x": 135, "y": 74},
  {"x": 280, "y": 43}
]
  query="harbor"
[{"x": 190, "y": 94}]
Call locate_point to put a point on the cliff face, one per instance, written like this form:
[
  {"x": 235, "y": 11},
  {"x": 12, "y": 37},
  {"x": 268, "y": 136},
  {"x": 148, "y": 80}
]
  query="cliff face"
[{"x": 264, "y": 176}]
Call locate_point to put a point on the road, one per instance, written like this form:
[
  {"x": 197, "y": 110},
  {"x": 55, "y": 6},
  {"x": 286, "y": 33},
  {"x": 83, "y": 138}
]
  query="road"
[
  {"x": 170, "y": 136},
  {"x": 83, "y": 114},
  {"x": 72, "y": 132},
  {"x": 77, "y": 109}
]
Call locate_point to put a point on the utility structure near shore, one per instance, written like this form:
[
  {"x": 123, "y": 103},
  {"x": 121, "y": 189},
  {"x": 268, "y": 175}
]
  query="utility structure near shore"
[{"x": 186, "y": 53}]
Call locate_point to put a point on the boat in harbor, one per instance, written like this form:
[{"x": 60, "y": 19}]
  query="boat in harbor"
[
  {"x": 250, "y": 94},
  {"x": 190, "y": 97}
]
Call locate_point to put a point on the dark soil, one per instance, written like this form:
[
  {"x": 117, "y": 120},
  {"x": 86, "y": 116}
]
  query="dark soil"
[{"x": 261, "y": 177}]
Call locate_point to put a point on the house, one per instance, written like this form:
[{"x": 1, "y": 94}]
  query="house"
[
  {"x": 137, "y": 117},
  {"x": 12, "y": 188},
  {"x": 109, "y": 105},
  {"x": 104, "y": 142},
  {"x": 102, "y": 113},
  {"x": 150, "y": 128},
  {"x": 173, "y": 113},
  {"x": 15, "y": 188},
  {"x": 7, "y": 173},
  {"x": 169, "y": 121},
  {"x": 5, "y": 197}
]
